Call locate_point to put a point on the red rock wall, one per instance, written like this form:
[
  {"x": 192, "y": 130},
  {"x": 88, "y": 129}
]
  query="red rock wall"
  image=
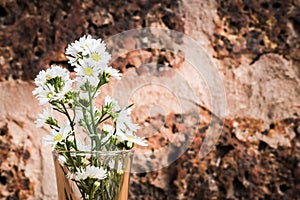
[{"x": 255, "y": 46}]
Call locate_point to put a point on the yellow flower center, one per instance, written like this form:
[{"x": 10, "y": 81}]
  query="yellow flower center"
[
  {"x": 95, "y": 57},
  {"x": 48, "y": 77},
  {"x": 49, "y": 95},
  {"x": 88, "y": 71},
  {"x": 131, "y": 138},
  {"x": 58, "y": 137}
]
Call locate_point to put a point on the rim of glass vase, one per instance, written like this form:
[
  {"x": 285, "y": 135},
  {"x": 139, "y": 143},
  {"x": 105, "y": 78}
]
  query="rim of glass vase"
[{"x": 114, "y": 152}]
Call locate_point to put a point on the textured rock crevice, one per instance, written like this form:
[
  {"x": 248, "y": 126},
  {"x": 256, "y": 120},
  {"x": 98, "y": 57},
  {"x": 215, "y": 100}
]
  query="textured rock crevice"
[{"x": 255, "y": 28}]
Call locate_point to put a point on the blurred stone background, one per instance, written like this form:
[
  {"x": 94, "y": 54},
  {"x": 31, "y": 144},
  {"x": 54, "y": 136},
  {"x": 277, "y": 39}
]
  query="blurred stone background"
[{"x": 255, "y": 44}]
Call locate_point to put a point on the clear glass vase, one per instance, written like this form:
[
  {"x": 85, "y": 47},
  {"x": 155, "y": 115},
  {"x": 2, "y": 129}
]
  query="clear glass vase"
[{"x": 97, "y": 175}]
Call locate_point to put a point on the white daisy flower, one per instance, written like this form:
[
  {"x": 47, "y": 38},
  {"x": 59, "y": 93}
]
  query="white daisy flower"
[
  {"x": 52, "y": 72},
  {"x": 135, "y": 139},
  {"x": 42, "y": 118},
  {"x": 90, "y": 172},
  {"x": 125, "y": 128},
  {"x": 131, "y": 138},
  {"x": 87, "y": 72},
  {"x": 64, "y": 90},
  {"x": 96, "y": 52},
  {"x": 68, "y": 84},
  {"x": 46, "y": 94},
  {"x": 56, "y": 70},
  {"x": 109, "y": 132},
  {"x": 111, "y": 103},
  {"x": 113, "y": 72},
  {"x": 52, "y": 84},
  {"x": 41, "y": 79},
  {"x": 76, "y": 50},
  {"x": 87, "y": 48},
  {"x": 58, "y": 136},
  {"x": 123, "y": 121}
]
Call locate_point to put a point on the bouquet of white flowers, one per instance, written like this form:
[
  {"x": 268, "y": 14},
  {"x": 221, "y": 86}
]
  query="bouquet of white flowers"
[{"x": 108, "y": 128}]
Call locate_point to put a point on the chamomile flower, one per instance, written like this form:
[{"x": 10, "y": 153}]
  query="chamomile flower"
[
  {"x": 131, "y": 138},
  {"x": 41, "y": 79},
  {"x": 58, "y": 136},
  {"x": 111, "y": 104},
  {"x": 125, "y": 128},
  {"x": 45, "y": 94},
  {"x": 44, "y": 117},
  {"x": 57, "y": 71},
  {"x": 87, "y": 48},
  {"x": 113, "y": 72},
  {"x": 87, "y": 73},
  {"x": 52, "y": 84},
  {"x": 123, "y": 121},
  {"x": 108, "y": 130},
  {"x": 89, "y": 172},
  {"x": 76, "y": 50},
  {"x": 97, "y": 52}
]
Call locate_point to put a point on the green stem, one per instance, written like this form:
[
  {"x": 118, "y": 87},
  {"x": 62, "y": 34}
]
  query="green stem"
[
  {"x": 93, "y": 119},
  {"x": 102, "y": 120},
  {"x": 71, "y": 122},
  {"x": 87, "y": 123},
  {"x": 68, "y": 116}
]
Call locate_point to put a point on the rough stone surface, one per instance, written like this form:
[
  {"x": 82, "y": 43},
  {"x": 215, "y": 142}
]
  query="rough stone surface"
[
  {"x": 248, "y": 162},
  {"x": 255, "y": 45},
  {"x": 34, "y": 35},
  {"x": 26, "y": 165},
  {"x": 255, "y": 28},
  {"x": 258, "y": 76},
  {"x": 269, "y": 89}
]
